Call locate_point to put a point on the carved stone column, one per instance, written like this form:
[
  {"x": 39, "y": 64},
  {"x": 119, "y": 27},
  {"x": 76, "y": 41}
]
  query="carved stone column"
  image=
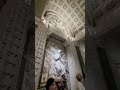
[
  {"x": 40, "y": 42},
  {"x": 73, "y": 64}
]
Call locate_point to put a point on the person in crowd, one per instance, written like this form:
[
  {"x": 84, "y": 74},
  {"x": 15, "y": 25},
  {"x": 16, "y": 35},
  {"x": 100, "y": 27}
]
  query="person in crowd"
[
  {"x": 79, "y": 79},
  {"x": 61, "y": 86},
  {"x": 51, "y": 85}
]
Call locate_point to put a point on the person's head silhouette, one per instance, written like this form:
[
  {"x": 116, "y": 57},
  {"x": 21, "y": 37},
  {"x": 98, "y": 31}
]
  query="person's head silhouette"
[{"x": 51, "y": 85}]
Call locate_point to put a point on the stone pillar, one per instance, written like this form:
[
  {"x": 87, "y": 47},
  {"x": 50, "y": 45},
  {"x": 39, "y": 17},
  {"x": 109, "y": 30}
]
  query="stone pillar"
[
  {"x": 94, "y": 79},
  {"x": 15, "y": 17},
  {"x": 40, "y": 42},
  {"x": 73, "y": 64}
]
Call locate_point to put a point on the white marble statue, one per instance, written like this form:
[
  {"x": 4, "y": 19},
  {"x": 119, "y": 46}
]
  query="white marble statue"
[{"x": 57, "y": 68}]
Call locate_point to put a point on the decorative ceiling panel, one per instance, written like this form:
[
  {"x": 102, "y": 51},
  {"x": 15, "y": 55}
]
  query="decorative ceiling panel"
[{"x": 67, "y": 15}]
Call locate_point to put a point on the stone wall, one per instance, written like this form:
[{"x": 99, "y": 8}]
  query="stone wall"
[{"x": 102, "y": 15}]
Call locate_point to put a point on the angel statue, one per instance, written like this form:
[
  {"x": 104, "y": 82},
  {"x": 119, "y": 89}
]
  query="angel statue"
[{"x": 57, "y": 66}]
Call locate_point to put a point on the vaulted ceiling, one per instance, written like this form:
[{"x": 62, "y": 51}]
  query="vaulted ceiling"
[{"x": 65, "y": 18}]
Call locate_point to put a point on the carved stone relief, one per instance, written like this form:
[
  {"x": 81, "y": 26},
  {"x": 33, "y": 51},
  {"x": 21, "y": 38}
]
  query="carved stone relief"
[{"x": 55, "y": 63}]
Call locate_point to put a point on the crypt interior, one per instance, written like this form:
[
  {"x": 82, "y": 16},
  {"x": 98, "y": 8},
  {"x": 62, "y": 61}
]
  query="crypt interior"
[{"x": 60, "y": 39}]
